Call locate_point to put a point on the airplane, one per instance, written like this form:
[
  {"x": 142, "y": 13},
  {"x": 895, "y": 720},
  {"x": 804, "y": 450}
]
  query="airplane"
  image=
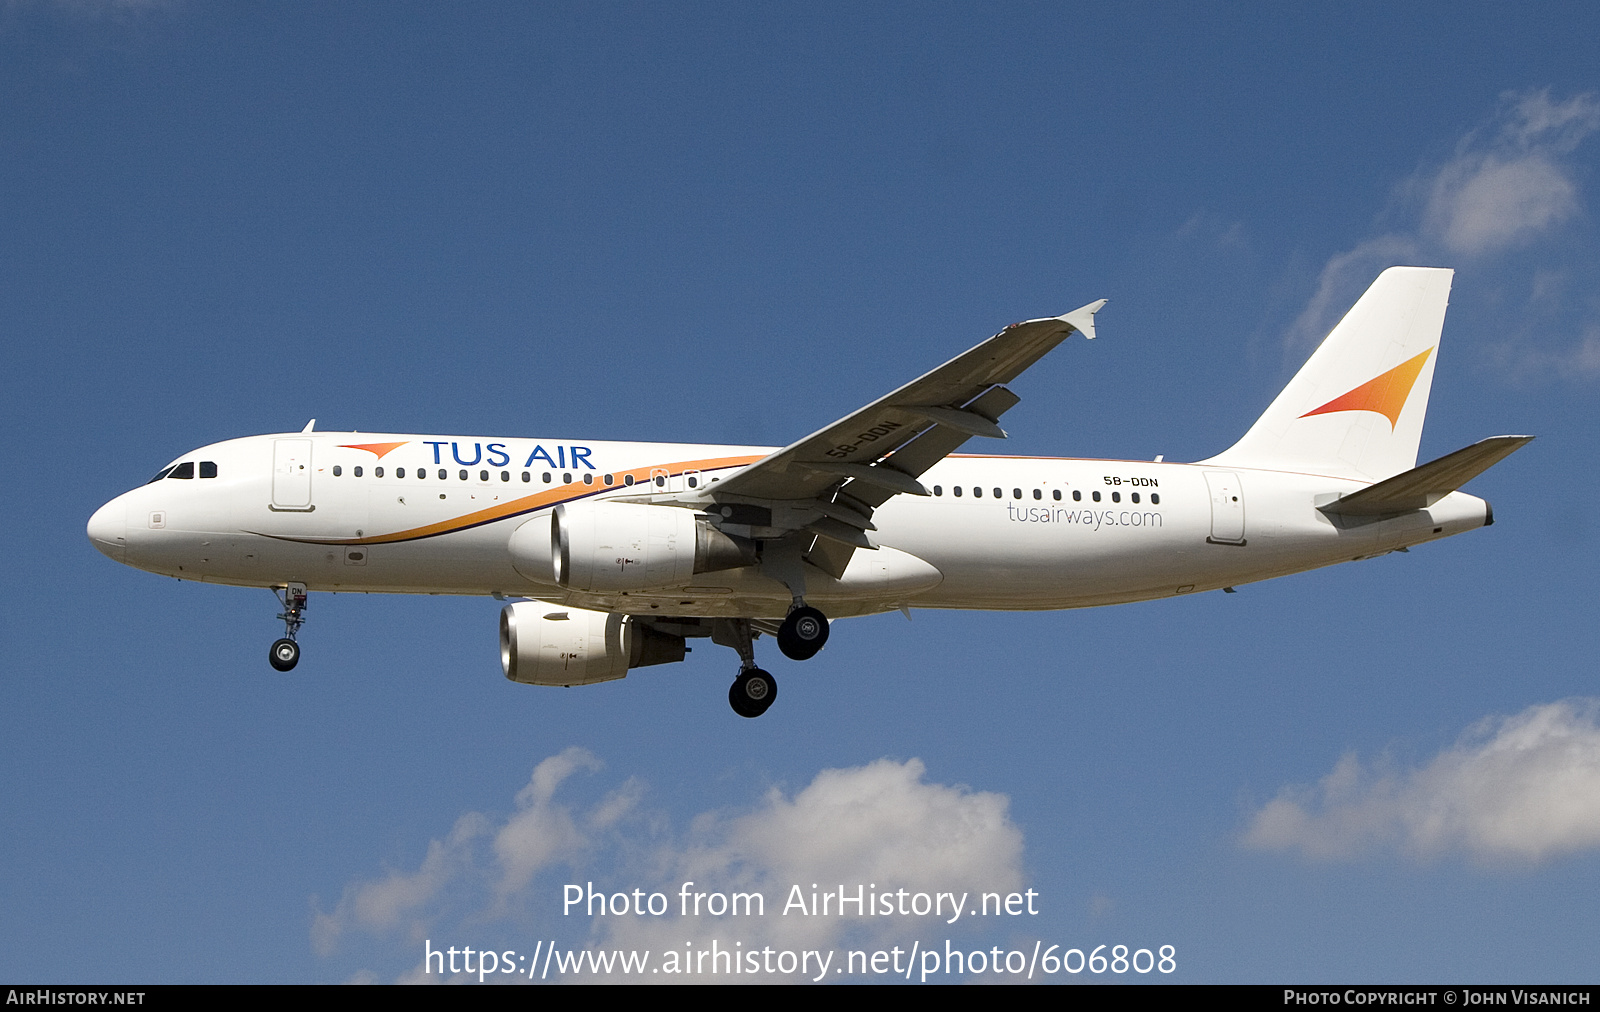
[{"x": 613, "y": 555}]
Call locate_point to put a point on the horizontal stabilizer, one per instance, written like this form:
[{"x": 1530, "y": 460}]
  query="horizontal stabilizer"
[{"x": 1423, "y": 486}]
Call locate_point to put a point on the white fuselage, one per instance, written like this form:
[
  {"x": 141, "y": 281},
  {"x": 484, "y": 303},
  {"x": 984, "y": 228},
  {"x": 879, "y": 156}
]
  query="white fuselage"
[{"x": 430, "y": 514}]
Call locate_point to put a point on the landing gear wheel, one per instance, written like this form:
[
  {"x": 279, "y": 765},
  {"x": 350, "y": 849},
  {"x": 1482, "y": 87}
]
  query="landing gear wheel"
[
  {"x": 285, "y": 654},
  {"x": 752, "y": 692},
  {"x": 803, "y": 633}
]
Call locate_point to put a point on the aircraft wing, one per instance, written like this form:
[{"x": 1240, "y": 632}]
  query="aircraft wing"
[
  {"x": 844, "y": 470},
  {"x": 951, "y": 397}
]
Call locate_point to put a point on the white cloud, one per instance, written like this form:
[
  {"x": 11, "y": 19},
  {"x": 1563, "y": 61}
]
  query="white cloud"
[
  {"x": 540, "y": 832},
  {"x": 881, "y": 826},
  {"x": 1523, "y": 788},
  {"x": 536, "y": 834},
  {"x": 1508, "y": 184},
  {"x": 1579, "y": 360},
  {"x": 1343, "y": 279}
]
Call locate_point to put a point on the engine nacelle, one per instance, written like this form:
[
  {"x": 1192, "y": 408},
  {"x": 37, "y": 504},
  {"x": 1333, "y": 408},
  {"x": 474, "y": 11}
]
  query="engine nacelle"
[
  {"x": 605, "y": 547},
  {"x": 546, "y": 644}
]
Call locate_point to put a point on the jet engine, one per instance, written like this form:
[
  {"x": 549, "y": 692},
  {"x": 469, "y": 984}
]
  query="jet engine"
[
  {"x": 605, "y": 547},
  {"x": 546, "y": 644}
]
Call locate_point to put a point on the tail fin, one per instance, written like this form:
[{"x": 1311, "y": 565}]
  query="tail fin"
[{"x": 1355, "y": 409}]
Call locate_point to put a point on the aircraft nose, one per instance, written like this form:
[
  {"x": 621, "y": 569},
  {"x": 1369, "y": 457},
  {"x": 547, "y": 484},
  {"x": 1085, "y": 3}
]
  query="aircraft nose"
[{"x": 108, "y": 529}]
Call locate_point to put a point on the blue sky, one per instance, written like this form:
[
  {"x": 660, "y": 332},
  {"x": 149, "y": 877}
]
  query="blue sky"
[{"x": 736, "y": 223}]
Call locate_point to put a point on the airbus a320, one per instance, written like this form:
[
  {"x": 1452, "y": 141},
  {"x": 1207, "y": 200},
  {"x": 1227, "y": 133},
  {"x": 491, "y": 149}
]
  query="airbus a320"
[{"x": 617, "y": 554}]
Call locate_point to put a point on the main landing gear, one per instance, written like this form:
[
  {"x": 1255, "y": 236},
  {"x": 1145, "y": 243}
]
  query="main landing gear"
[
  {"x": 285, "y": 652},
  {"x": 752, "y": 692},
  {"x": 800, "y": 636},
  {"x": 803, "y": 633}
]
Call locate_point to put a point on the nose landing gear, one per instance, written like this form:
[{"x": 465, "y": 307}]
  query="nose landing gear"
[{"x": 285, "y": 652}]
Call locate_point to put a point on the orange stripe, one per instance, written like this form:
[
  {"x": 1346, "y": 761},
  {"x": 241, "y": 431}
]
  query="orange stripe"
[
  {"x": 641, "y": 476},
  {"x": 1386, "y": 394}
]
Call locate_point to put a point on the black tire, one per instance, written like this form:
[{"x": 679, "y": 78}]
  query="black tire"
[
  {"x": 803, "y": 633},
  {"x": 752, "y": 692},
  {"x": 284, "y": 655}
]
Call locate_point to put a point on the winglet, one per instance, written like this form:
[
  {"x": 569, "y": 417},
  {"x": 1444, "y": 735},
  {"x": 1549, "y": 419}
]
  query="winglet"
[
  {"x": 1082, "y": 318},
  {"x": 311, "y": 425}
]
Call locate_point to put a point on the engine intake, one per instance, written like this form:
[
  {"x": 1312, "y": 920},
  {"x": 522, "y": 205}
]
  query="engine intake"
[{"x": 546, "y": 644}]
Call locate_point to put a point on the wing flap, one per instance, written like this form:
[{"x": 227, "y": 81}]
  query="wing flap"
[{"x": 935, "y": 444}]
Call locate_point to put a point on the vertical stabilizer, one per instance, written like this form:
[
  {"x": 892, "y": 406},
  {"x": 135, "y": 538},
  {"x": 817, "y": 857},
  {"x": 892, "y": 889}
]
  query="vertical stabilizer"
[{"x": 1355, "y": 409}]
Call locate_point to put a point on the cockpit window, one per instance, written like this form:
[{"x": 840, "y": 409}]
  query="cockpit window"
[
  {"x": 208, "y": 469},
  {"x": 183, "y": 470},
  {"x": 161, "y": 474}
]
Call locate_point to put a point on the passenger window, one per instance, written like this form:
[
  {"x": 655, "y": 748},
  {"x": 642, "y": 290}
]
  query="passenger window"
[
  {"x": 999, "y": 494},
  {"x": 505, "y": 475},
  {"x": 1096, "y": 496},
  {"x": 1037, "y": 494},
  {"x": 1155, "y": 498},
  {"x": 1134, "y": 497},
  {"x": 377, "y": 472},
  {"x": 627, "y": 479},
  {"x": 1016, "y": 493},
  {"x": 956, "y": 489},
  {"x": 566, "y": 477},
  {"x": 183, "y": 470},
  {"x": 443, "y": 474},
  {"x": 609, "y": 479},
  {"x": 1077, "y": 495},
  {"x": 526, "y": 477},
  {"x": 937, "y": 490},
  {"x": 358, "y": 470},
  {"x": 588, "y": 479},
  {"x": 463, "y": 474},
  {"x": 337, "y": 470},
  {"x": 208, "y": 469},
  {"x": 483, "y": 475},
  {"x": 547, "y": 477},
  {"x": 661, "y": 481},
  {"x": 977, "y": 493},
  {"x": 1116, "y": 497},
  {"x": 1055, "y": 494}
]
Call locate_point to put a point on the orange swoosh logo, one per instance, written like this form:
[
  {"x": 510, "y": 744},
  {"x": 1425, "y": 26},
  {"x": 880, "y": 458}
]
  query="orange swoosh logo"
[
  {"x": 1386, "y": 394},
  {"x": 377, "y": 449}
]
